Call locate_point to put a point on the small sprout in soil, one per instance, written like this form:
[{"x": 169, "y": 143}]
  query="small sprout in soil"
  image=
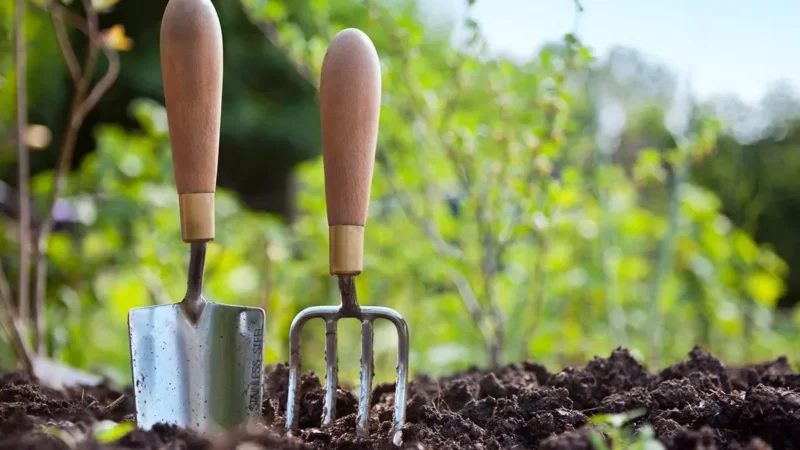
[
  {"x": 611, "y": 429},
  {"x": 104, "y": 432},
  {"x": 109, "y": 431},
  {"x": 64, "y": 435}
]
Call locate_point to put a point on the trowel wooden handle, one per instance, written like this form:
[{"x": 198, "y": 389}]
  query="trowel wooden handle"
[
  {"x": 191, "y": 67},
  {"x": 350, "y": 99}
]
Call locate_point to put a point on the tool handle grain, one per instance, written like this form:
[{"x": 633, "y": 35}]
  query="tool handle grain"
[
  {"x": 191, "y": 67},
  {"x": 191, "y": 64},
  {"x": 350, "y": 99}
]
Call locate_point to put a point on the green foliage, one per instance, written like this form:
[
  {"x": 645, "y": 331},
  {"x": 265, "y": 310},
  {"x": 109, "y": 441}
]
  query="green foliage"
[
  {"x": 104, "y": 432},
  {"x": 610, "y": 429},
  {"x": 756, "y": 179},
  {"x": 107, "y": 431},
  {"x": 516, "y": 228},
  {"x": 124, "y": 249},
  {"x": 498, "y": 226}
]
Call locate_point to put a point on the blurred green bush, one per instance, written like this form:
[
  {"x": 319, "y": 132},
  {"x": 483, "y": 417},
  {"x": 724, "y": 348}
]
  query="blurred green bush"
[{"x": 500, "y": 225}]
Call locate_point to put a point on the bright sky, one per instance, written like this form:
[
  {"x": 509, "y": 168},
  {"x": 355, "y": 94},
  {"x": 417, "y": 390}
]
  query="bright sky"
[{"x": 730, "y": 46}]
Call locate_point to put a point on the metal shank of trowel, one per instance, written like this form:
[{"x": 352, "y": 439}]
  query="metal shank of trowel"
[{"x": 350, "y": 90}]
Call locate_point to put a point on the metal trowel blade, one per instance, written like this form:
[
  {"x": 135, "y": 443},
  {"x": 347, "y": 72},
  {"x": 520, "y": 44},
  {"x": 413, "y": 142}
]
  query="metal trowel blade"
[{"x": 206, "y": 376}]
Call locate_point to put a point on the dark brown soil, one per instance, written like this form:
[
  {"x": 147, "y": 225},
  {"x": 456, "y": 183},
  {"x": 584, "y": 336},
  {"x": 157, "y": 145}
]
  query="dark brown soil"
[{"x": 699, "y": 403}]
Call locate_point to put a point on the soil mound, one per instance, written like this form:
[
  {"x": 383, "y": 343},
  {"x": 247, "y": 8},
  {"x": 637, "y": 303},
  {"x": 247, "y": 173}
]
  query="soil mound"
[{"x": 699, "y": 403}]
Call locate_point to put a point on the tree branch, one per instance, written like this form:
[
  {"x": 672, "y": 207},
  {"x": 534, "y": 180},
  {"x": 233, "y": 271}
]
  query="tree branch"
[
  {"x": 439, "y": 244},
  {"x": 272, "y": 34},
  {"x": 464, "y": 168},
  {"x": 56, "y": 15},
  {"x": 11, "y": 325},
  {"x": 470, "y": 301},
  {"x": 23, "y": 163},
  {"x": 72, "y": 19},
  {"x": 82, "y": 102},
  {"x": 488, "y": 270},
  {"x": 442, "y": 248},
  {"x": 102, "y": 86}
]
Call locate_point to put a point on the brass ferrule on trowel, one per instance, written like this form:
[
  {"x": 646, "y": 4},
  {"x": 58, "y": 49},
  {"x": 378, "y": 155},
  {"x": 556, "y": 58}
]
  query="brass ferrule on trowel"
[
  {"x": 197, "y": 217},
  {"x": 346, "y": 249}
]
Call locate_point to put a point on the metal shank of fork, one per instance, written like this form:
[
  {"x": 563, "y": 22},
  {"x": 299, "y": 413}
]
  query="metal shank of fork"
[{"x": 349, "y": 308}]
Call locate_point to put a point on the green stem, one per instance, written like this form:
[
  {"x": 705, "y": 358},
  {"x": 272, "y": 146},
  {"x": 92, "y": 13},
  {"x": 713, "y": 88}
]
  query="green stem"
[{"x": 665, "y": 262}]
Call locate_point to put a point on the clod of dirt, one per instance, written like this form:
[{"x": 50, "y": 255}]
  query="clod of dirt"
[
  {"x": 699, "y": 403},
  {"x": 634, "y": 399},
  {"x": 600, "y": 378},
  {"x": 704, "y": 370},
  {"x": 571, "y": 440},
  {"x": 458, "y": 393}
]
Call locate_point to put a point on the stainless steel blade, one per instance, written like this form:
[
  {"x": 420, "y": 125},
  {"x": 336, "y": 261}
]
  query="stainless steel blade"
[{"x": 205, "y": 376}]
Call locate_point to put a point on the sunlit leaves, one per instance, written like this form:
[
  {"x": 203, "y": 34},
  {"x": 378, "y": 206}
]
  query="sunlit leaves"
[
  {"x": 765, "y": 288},
  {"x": 152, "y": 116},
  {"x": 275, "y": 11},
  {"x": 60, "y": 249},
  {"x": 487, "y": 169},
  {"x": 125, "y": 293},
  {"x": 649, "y": 167},
  {"x": 700, "y": 204},
  {"x": 634, "y": 268},
  {"x": 99, "y": 244},
  {"x": 716, "y": 243},
  {"x": 746, "y": 248}
]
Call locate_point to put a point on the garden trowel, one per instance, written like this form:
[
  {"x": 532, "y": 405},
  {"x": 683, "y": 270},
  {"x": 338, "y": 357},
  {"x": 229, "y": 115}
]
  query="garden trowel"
[{"x": 195, "y": 363}]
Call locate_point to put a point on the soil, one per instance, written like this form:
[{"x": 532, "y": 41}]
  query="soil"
[{"x": 699, "y": 403}]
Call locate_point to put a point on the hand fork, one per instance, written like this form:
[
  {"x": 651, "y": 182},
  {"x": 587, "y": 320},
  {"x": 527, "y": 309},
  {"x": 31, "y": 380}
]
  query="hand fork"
[{"x": 350, "y": 91}]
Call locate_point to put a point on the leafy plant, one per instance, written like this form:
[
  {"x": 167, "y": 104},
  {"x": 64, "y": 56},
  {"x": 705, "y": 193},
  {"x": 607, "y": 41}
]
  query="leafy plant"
[
  {"x": 104, "y": 432},
  {"x": 509, "y": 218},
  {"x": 609, "y": 432},
  {"x": 108, "y": 431},
  {"x": 525, "y": 233}
]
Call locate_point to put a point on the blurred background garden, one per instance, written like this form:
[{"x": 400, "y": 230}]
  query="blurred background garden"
[{"x": 553, "y": 179}]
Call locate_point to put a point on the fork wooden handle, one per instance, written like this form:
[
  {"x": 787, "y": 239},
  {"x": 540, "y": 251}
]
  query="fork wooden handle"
[
  {"x": 191, "y": 67},
  {"x": 350, "y": 100}
]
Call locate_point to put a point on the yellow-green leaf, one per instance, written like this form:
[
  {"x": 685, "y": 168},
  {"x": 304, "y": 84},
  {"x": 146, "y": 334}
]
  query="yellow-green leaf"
[
  {"x": 765, "y": 288},
  {"x": 107, "y": 431},
  {"x": 745, "y": 247}
]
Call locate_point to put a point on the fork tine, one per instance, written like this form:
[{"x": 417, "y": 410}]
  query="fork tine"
[
  {"x": 367, "y": 372},
  {"x": 367, "y": 315},
  {"x": 295, "y": 360},
  {"x": 331, "y": 372},
  {"x": 401, "y": 388},
  {"x": 293, "y": 400}
]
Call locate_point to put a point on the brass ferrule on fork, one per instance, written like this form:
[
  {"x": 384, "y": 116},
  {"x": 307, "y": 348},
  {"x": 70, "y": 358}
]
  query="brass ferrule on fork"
[
  {"x": 346, "y": 249},
  {"x": 197, "y": 217}
]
